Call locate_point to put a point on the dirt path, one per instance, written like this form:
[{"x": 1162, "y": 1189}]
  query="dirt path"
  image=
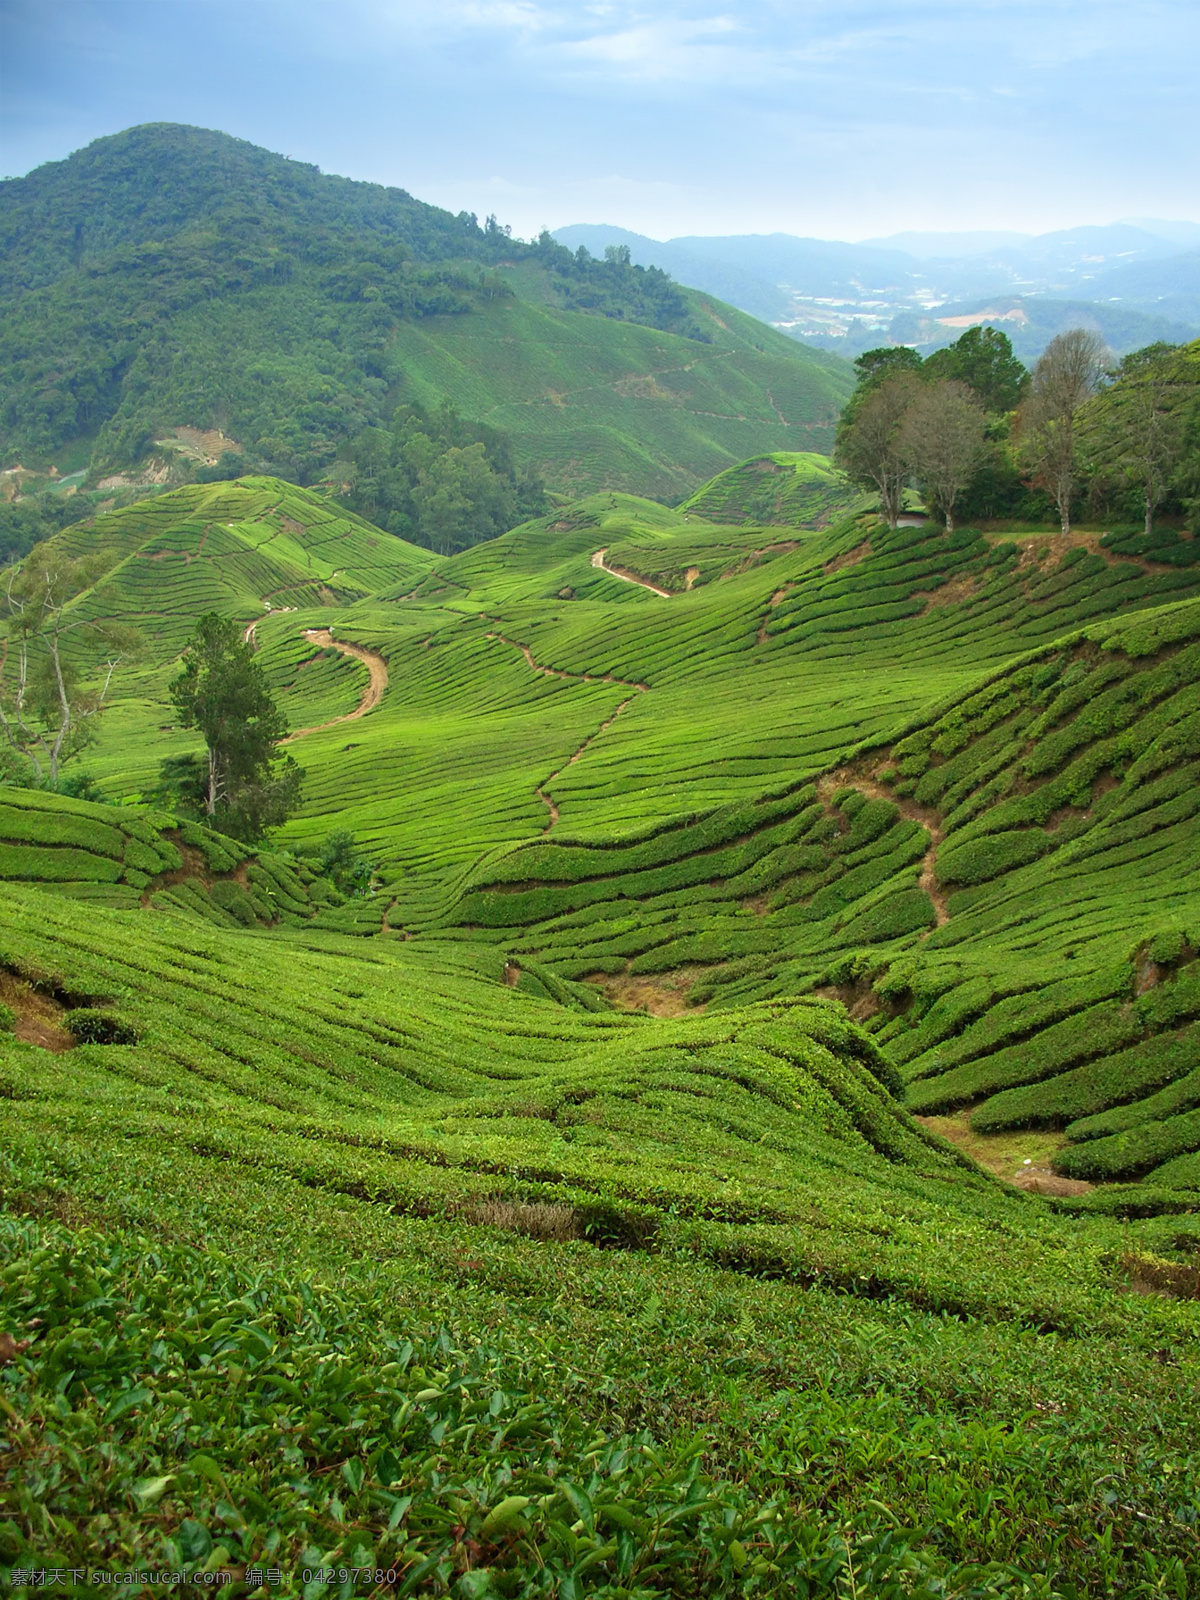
[
  {"x": 846, "y": 778},
  {"x": 572, "y": 677},
  {"x": 761, "y": 635},
  {"x": 378, "y": 681},
  {"x": 248, "y": 635},
  {"x": 628, "y": 577}
]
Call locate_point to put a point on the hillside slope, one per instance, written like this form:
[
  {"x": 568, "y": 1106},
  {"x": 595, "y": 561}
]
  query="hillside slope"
[
  {"x": 631, "y": 746},
  {"x": 171, "y": 277},
  {"x": 352, "y": 1254},
  {"x": 539, "y": 1221}
]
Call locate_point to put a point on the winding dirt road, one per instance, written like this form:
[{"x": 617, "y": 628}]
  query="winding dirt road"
[
  {"x": 378, "y": 681},
  {"x": 598, "y": 561}
]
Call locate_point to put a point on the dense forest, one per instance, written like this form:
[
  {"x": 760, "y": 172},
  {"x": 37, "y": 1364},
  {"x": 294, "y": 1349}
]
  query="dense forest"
[{"x": 111, "y": 264}]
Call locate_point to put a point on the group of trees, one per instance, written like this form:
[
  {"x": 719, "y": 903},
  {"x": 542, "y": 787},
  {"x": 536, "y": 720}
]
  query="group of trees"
[
  {"x": 1139, "y": 438},
  {"x": 437, "y": 479},
  {"x": 971, "y": 428},
  {"x": 130, "y": 271},
  {"x": 929, "y": 422}
]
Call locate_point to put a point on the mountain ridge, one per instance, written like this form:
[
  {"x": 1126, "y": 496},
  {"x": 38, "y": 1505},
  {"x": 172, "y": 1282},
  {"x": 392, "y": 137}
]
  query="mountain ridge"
[{"x": 137, "y": 267}]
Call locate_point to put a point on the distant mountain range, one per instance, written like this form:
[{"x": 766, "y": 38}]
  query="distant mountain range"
[{"x": 1134, "y": 281}]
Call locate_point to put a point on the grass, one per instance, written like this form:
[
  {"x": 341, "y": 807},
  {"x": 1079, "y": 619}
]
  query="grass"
[{"x": 555, "y": 1172}]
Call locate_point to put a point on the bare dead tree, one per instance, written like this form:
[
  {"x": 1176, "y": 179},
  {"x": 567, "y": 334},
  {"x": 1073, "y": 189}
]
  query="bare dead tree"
[
  {"x": 47, "y": 714},
  {"x": 869, "y": 448},
  {"x": 942, "y": 439},
  {"x": 1067, "y": 375}
]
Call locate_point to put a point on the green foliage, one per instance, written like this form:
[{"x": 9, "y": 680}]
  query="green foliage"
[
  {"x": 221, "y": 691},
  {"x": 28, "y": 520},
  {"x": 79, "y": 848},
  {"x": 798, "y": 490},
  {"x": 454, "y": 1164},
  {"x": 341, "y": 861},
  {"x": 49, "y": 700},
  {"x": 95, "y": 1025},
  {"x": 1139, "y": 446},
  {"x": 438, "y": 479},
  {"x": 983, "y": 359},
  {"x": 323, "y": 1319},
  {"x": 342, "y": 300}
]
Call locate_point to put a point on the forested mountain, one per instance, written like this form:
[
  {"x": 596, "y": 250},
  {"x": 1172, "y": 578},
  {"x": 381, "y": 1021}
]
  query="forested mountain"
[{"x": 170, "y": 277}]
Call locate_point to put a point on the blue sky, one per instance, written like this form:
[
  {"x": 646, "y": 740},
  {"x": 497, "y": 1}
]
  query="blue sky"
[{"x": 833, "y": 118}]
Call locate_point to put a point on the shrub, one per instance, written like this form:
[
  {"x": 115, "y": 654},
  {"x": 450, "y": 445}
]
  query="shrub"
[
  {"x": 231, "y": 897},
  {"x": 91, "y": 1025},
  {"x": 981, "y": 860}
]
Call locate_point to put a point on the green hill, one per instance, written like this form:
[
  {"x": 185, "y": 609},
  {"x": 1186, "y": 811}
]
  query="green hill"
[
  {"x": 800, "y": 489},
  {"x": 257, "y": 545},
  {"x": 352, "y": 1255},
  {"x": 171, "y": 278},
  {"x": 591, "y": 1208}
]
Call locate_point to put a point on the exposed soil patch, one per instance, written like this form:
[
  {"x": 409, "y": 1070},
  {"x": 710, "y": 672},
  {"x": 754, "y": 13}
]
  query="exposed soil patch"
[
  {"x": 859, "y": 999},
  {"x": 772, "y": 603},
  {"x": 534, "y": 1219},
  {"x": 664, "y": 994},
  {"x": 1043, "y": 552},
  {"x": 1020, "y": 1155},
  {"x": 949, "y": 594},
  {"x": 1041, "y": 1180},
  {"x": 39, "y": 1018},
  {"x": 377, "y": 682},
  {"x": 599, "y": 562},
  {"x": 203, "y": 446},
  {"x": 850, "y": 558},
  {"x": 1148, "y": 1275}
]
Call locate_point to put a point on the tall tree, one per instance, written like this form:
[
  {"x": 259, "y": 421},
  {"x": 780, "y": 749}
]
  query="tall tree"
[
  {"x": 222, "y": 692},
  {"x": 869, "y": 447},
  {"x": 56, "y": 667},
  {"x": 982, "y": 359},
  {"x": 942, "y": 440},
  {"x": 1067, "y": 375},
  {"x": 1134, "y": 433}
]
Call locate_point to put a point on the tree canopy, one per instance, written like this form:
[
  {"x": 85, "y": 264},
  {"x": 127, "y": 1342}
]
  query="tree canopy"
[{"x": 240, "y": 787}]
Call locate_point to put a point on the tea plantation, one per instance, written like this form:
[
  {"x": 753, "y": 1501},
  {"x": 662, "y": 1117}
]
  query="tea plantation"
[{"x": 589, "y": 1208}]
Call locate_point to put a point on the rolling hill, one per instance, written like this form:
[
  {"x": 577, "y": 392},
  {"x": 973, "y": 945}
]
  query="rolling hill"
[
  {"x": 611, "y": 1201},
  {"x": 170, "y": 279}
]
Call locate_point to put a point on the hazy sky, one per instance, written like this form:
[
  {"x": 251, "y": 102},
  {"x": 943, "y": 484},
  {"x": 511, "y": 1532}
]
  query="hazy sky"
[{"x": 839, "y": 118}]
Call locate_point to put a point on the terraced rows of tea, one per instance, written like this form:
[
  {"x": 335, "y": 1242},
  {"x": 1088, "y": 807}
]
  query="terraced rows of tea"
[
  {"x": 656, "y": 757},
  {"x": 466, "y": 1260},
  {"x": 736, "y": 882}
]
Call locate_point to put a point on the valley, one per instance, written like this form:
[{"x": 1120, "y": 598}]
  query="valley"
[
  {"x": 599, "y": 980},
  {"x": 706, "y": 853}
]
